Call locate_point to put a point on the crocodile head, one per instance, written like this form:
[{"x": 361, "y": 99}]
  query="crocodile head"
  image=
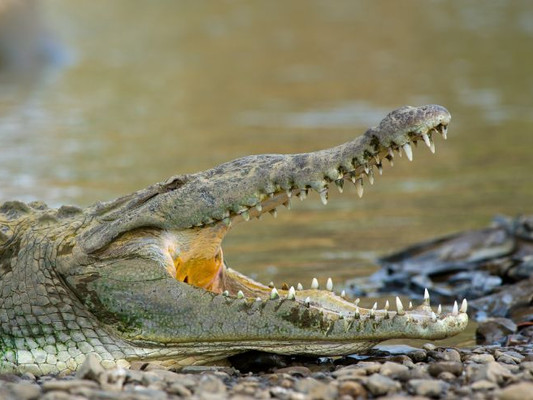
[{"x": 150, "y": 266}]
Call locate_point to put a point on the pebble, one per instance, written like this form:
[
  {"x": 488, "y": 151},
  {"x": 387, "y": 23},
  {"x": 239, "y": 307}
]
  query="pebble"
[
  {"x": 517, "y": 391},
  {"x": 394, "y": 370},
  {"x": 436, "y": 372},
  {"x": 427, "y": 387},
  {"x": 454, "y": 367},
  {"x": 491, "y": 371},
  {"x": 481, "y": 358},
  {"x": 380, "y": 385}
]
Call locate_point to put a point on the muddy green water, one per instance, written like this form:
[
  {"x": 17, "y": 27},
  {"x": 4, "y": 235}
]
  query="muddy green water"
[{"x": 139, "y": 91}]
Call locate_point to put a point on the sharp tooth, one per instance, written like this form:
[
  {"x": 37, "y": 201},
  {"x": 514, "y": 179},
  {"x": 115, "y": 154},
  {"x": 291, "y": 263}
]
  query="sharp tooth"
[
  {"x": 444, "y": 132},
  {"x": 359, "y": 187},
  {"x": 329, "y": 284},
  {"x": 356, "y": 314},
  {"x": 375, "y": 306},
  {"x": 357, "y": 301},
  {"x": 366, "y": 168},
  {"x": 314, "y": 284},
  {"x": 433, "y": 317},
  {"x": 427, "y": 140},
  {"x": 455, "y": 308},
  {"x": 289, "y": 193},
  {"x": 408, "y": 151},
  {"x": 439, "y": 309},
  {"x": 307, "y": 301},
  {"x": 245, "y": 215},
  {"x": 225, "y": 293},
  {"x": 426, "y": 297},
  {"x": 432, "y": 147},
  {"x": 240, "y": 294},
  {"x": 274, "y": 212},
  {"x": 378, "y": 160},
  {"x": 464, "y": 306},
  {"x": 400, "y": 151},
  {"x": 274, "y": 294},
  {"x": 380, "y": 168},
  {"x": 387, "y": 305},
  {"x": 340, "y": 185},
  {"x": 372, "y": 312},
  {"x": 259, "y": 207},
  {"x": 288, "y": 204},
  {"x": 324, "y": 196},
  {"x": 410, "y": 304},
  {"x": 399, "y": 306},
  {"x": 391, "y": 154},
  {"x": 299, "y": 286},
  {"x": 302, "y": 195},
  {"x": 343, "y": 293},
  {"x": 371, "y": 176},
  {"x": 292, "y": 293}
]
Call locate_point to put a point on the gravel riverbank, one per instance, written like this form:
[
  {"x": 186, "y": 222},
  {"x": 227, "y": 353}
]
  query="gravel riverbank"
[{"x": 431, "y": 372}]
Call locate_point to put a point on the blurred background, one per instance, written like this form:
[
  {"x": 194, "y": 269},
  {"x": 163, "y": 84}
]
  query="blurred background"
[{"x": 100, "y": 98}]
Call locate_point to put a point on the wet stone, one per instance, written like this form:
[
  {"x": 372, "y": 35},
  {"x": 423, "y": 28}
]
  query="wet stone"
[
  {"x": 380, "y": 385},
  {"x": 349, "y": 373},
  {"x": 453, "y": 367},
  {"x": 315, "y": 389},
  {"x": 494, "y": 330},
  {"x": 370, "y": 367},
  {"x": 427, "y": 387},
  {"x": 446, "y": 376}
]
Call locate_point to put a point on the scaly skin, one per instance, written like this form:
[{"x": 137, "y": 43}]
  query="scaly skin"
[{"x": 143, "y": 277}]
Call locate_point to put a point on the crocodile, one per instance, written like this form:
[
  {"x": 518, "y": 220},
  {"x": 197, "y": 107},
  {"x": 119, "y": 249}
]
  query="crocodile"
[{"x": 143, "y": 277}]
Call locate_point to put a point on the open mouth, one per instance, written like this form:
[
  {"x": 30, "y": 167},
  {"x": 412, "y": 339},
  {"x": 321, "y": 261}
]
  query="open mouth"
[{"x": 199, "y": 259}]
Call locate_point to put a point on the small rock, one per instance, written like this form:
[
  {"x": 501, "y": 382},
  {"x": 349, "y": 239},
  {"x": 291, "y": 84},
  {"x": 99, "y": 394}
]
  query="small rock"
[
  {"x": 380, "y": 385},
  {"x": 179, "y": 389},
  {"x": 418, "y": 355},
  {"x": 427, "y": 387},
  {"x": 446, "y": 355},
  {"x": 429, "y": 347},
  {"x": 394, "y": 370},
  {"x": 517, "y": 391},
  {"x": 66, "y": 385},
  {"x": 454, "y": 367},
  {"x": 494, "y": 330},
  {"x": 353, "y": 389},
  {"x": 481, "y": 358},
  {"x": 505, "y": 359},
  {"x": 349, "y": 373},
  {"x": 491, "y": 371},
  {"x": 91, "y": 368},
  {"x": 371, "y": 367},
  {"x": 446, "y": 376},
  {"x": 483, "y": 384},
  {"x": 527, "y": 366},
  {"x": 23, "y": 390},
  {"x": 210, "y": 384}
]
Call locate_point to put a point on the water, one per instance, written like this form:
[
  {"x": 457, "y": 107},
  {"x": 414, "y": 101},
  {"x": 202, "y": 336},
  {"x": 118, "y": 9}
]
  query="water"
[{"x": 135, "y": 92}]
